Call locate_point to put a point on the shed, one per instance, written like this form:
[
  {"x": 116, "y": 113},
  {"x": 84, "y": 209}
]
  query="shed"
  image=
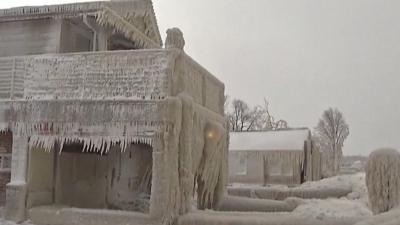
[{"x": 273, "y": 157}]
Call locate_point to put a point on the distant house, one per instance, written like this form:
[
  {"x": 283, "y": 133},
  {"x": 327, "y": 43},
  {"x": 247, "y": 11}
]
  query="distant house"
[{"x": 273, "y": 157}]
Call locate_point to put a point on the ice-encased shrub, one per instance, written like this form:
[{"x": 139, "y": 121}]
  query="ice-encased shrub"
[{"x": 383, "y": 180}]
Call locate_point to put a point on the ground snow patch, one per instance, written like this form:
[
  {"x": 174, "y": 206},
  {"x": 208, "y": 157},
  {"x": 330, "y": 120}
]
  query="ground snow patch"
[{"x": 353, "y": 206}]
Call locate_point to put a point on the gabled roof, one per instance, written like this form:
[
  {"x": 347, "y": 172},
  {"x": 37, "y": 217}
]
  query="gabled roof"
[
  {"x": 125, "y": 16},
  {"x": 290, "y": 139}
]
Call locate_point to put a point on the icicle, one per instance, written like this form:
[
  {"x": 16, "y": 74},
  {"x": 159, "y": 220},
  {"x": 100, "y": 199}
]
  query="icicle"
[{"x": 61, "y": 145}]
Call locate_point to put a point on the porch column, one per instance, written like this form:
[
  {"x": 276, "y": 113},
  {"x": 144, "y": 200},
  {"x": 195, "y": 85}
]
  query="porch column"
[
  {"x": 165, "y": 188},
  {"x": 16, "y": 191}
]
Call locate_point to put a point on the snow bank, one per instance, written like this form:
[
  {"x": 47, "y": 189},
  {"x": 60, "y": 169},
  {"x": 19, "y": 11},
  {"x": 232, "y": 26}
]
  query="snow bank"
[
  {"x": 390, "y": 218},
  {"x": 333, "y": 208},
  {"x": 354, "y": 205},
  {"x": 334, "y": 187},
  {"x": 281, "y": 194},
  {"x": 242, "y": 204},
  {"x": 225, "y": 218},
  {"x": 350, "y": 186}
]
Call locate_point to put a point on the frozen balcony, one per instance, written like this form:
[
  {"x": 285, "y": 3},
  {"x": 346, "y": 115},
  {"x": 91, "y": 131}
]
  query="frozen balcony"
[
  {"x": 104, "y": 75},
  {"x": 114, "y": 75}
]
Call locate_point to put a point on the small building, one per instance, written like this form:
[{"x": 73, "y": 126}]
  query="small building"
[{"x": 273, "y": 157}]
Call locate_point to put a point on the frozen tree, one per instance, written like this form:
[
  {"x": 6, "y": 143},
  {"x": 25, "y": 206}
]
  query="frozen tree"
[
  {"x": 268, "y": 121},
  {"x": 383, "y": 180},
  {"x": 243, "y": 118},
  {"x": 332, "y": 131}
]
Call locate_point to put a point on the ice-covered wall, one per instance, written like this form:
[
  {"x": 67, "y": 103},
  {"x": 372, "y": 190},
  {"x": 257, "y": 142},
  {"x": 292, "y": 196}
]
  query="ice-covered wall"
[
  {"x": 192, "y": 79},
  {"x": 264, "y": 167}
]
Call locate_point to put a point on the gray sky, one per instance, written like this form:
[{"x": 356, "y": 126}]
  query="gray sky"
[{"x": 303, "y": 55}]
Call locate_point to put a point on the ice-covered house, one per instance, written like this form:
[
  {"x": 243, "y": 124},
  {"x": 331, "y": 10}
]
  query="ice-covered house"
[
  {"x": 273, "y": 157},
  {"x": 101, "y": 116}
]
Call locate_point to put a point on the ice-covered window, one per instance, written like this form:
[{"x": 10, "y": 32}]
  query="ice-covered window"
[{"x": 242, "y": 168}]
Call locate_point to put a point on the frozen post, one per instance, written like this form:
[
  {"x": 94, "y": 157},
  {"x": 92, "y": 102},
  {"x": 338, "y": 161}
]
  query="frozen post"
[{"x": 17, "y": 188}]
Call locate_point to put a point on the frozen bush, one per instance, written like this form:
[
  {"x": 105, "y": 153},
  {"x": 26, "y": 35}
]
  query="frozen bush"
[{"x": 383, "y": 179}]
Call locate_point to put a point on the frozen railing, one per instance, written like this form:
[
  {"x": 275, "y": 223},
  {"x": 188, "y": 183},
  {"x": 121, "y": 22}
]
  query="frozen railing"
[
  {"x": 11, "y": 78},
  {"x": 5, "y": 162},
  {"x": 140, "y": 74},
  {"x": 134, "y": 75}
]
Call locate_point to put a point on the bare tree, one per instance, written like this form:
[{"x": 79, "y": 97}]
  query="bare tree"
[
  {"x": 269, "y": 120},
  {"x": 242, "y": 118},
  {"x": 333, "y": 131}
]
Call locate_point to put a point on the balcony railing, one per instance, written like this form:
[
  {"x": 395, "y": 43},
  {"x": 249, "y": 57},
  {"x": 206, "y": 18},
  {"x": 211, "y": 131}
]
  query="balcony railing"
[
  {"x": 140, "y": 74},
  {"x": 133, "y": 75}
]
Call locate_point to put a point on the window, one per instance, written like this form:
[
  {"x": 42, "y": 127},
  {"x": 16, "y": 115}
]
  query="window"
[
  {"x": 5, "y": 162},
  {"x": 242, "y": 168}
]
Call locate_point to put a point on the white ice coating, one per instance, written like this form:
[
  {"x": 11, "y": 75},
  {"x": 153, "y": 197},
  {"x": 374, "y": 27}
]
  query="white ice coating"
[
  {"x": 97, "y": 144},
  {"x": 97, "y": 125},
  {"x": 108, "y": 16},
  {"x": 383, "y": 180},
  {"x": 133, "y": 75}
]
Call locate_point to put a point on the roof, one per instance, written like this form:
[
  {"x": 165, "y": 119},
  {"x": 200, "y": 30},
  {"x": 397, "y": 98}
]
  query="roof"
[
  {"x": 127, "y": 12},
  {"x": 291, "y": 139}
]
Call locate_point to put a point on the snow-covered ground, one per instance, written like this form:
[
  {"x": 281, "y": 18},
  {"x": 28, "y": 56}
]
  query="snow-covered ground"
[
  {"x": 333, "y": 208},
  {"x": 353, "y": 205},
  {"x": 5, "y": 222}
]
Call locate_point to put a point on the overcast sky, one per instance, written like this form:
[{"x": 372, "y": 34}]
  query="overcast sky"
[{"x": 303, "y": 55}]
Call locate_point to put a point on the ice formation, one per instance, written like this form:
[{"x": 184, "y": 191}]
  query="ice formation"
[
  {"x": 283, "y": 193},
  {"x": 175, "y": 39},
  {"x": 108, "y": 16},
  {"x": 383, "y": 180}
]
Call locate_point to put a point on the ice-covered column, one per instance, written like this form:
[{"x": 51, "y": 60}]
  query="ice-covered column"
[
  {"x": 17, "y": 188},
  {"x": 186, "y": 176},
  {"x": 165, "y": 188}
]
